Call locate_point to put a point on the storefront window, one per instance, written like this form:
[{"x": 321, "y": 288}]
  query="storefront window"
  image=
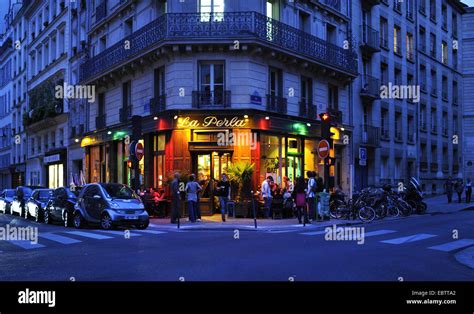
[
  {"x": 159, "y": 160},
  {"x": 270, "y": 154},
  {"x": 94, "y": 164},
  {"x": 55, "y": 175},
  {"x": 310, "y": 156}
]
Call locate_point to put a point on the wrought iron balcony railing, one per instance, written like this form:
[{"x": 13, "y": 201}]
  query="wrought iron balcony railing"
[
  {"x": 335, "y": 114},
  {"x": 307, "y": 110},
  {"x": 158, "y": 104},
  {"x": 423, "y": 165},
  {"x": 335, "y": 4},
  {"x": 370, "y": 135},
  {"x": 100, "y": 122},
  {"x": 384, "y": 134},
  {"x": 277, "y": 104},
  {"x": 370, "y": 87},
  {"x": 251, "y": 26},
  {"x": 125, "y": 113},
  {"x": 208, "y": 99},
  {"x": 369, "y": 38},
  {"x": 434, "y": 167}
]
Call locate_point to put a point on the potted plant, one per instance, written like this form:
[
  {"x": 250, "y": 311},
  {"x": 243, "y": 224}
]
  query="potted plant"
[{"x": 240, "y": 175}]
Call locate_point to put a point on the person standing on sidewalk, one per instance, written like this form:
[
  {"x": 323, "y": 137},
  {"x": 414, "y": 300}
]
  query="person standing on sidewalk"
[
  {"x": 175, "y": 198},
  {"x": 267, "y": 196},
  {"x": 223, "y": 191},
  {"x": 468, "y": 190},
  {"x": 192, "y": 190},
  {"x": 459, "y": 189},
  {"x": 448, "y": 187},
  {"x": 311, "y": 195},
  {"x": 299, "y": 195}
]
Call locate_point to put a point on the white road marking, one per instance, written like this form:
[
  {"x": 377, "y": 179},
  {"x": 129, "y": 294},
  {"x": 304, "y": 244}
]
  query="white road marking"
[
  {"x": 453, "y": 245},
  {"x": 408, "y": 239},
  {"x": 59, "y": 238},
  {"x": 88, "y": 235},
  {"x": 27, "y": 245},
  {"x": 378, "y": 232},
  {"x": 313, "y": 233},
  {"x": 150, "y": 231},
  {"x": 120, "y": 233}
]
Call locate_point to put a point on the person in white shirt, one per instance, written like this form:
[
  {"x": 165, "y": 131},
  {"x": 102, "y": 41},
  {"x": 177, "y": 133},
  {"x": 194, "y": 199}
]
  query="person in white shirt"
[
  {"x": 267, "y": 196},
  {"x": 311, "y": 194}
]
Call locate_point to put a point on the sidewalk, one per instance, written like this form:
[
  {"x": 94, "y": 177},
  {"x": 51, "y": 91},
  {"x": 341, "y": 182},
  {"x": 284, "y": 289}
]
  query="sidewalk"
[{"x": 436, "y": 205}]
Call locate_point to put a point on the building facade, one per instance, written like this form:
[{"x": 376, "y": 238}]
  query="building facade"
[{"x": 408, "y": 44}]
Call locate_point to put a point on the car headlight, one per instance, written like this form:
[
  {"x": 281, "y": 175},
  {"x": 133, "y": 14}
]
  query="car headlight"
[{"x": 114, "y": 205}]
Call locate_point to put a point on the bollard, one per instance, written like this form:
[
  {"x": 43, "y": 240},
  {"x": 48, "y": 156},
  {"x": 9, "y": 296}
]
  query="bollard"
[{"x": 253, "y": 209}]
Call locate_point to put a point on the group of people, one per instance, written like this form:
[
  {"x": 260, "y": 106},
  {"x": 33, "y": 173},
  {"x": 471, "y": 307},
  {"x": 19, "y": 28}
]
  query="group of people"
[
  {"x": 459, "y": 187},
  {"x": 192, "y": 190},
  {"x": 300, "y": 196}
]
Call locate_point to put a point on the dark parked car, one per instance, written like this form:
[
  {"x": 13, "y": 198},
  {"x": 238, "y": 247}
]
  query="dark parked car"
[
  {"x": 6, "y": 199},
  {"x": 22, "y": 194},
  {"x": 61, "y": 206},
  {"x": 37, "y": 203},
  {"x": 110, "y": 205}
]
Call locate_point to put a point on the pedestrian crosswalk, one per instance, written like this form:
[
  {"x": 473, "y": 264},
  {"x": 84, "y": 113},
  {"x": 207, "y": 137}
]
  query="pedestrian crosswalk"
[
  {"x": 68, "y": 237},
  {"x": 405, "y": 239}
]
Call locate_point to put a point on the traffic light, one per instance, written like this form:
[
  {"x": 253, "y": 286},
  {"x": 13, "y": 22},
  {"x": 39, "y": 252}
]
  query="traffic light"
[
  {"x": 325, "y": 125},
  {"x": 330, "y": 161}
]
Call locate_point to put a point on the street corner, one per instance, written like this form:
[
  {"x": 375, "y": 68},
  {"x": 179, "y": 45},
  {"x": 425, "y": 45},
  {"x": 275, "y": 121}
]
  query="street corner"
[{"x": 466, "y": 257}]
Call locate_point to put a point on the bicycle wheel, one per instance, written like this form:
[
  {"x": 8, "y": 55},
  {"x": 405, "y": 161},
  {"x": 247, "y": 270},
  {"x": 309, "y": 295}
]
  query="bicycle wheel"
[
  {"x": 334, "y": 211},
  {"x": 393, "y": 211},
  {"x": 421, "y": 208},
  {"x": 404, "y": 208},
  {"x": 366, "y": 214}
]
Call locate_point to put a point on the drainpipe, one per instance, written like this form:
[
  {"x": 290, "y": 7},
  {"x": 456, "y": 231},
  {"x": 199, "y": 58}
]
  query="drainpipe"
[
  {"x": 418, "y": 106},
  {"x": 351, "y": 111}
]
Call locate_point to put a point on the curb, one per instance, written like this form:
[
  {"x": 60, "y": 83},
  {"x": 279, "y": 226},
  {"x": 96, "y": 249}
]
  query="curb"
[{"x": 466, "y": 257}]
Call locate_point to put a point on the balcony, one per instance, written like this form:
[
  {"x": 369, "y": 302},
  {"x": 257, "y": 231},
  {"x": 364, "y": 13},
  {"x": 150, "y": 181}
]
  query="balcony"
[
  {"x": 385, "y": 134},
  {"x": 455, "y": 168},
  {"x": 434, "y": 129},
  {"x": 455, "y": 100},
  {"x": 434, "y": 167},
  {"x": 214, "y": 99},
  {"x": 158, "y": 104},
  {"x": 77, "y": 130},
  {"x": 125, "y": 114},
  {"x": 335, "y": 114},
  {"x": 445, "y": 167},
  {"x": 101, "y": 11},
  {"x": 308, "y": 110},
  {"x": 370, "y": 40},
  {"x": 100, "y": 122},
  {"x": 370, "y": 89},
  {"x": 370, "y": 135},
  {"x": 398, "y": 137},
  {"x": 397, "y": 6},
  {"x": 334, "y": 4},
  {"x": 277, "y": 104},
  {"x": 224, "y": 28},
  {"x": 445, "y": 132}
]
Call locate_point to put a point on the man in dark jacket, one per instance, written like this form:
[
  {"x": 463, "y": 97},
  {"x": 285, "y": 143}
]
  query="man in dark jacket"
[{"x": 448, "y": 187}]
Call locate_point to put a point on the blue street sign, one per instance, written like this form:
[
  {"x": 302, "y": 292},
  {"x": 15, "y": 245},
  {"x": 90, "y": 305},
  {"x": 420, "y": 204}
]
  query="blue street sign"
[{"x": 362, "y": 156}]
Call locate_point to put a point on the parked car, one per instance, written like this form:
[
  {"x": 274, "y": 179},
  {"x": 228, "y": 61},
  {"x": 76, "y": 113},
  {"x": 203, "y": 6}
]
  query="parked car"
[
  {"x": 110, "y": 205},
  {"x": 37, "y": 203},
  {"x": 22, "y": 194},
  {"x": 6, "y": 199},
  {"x": 61, "y": 206}
]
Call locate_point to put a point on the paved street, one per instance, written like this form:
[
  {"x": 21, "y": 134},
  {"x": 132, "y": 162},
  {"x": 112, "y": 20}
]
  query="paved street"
[{"x": 413, "y": 248}]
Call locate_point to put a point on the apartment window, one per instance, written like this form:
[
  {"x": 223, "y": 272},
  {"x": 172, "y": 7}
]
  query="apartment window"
[
  {"x": 127, "y": 94},
  {"x": 409, "y": 43},
  {"x": 411, "y": 129},
  {"x": 455, "y": 93},
  {"x": 397, "y": 5},
  {"x": 455, "y": 125},
  {"x": 398, "y": 76},
  {"x": 422, "y": 39},
  {"x": 444, "y": 88},
  {"x": 306, "y": 90},
  {"x": 434, "y": 119},
  {"x": 433, "y": 45},
  {"x": 444, "y": 52},
  {"x": 101, "y": 104},
  {"x": 454, "y": 25},
  {"x": 304, "y": 22},
  {"x": 275, "y": 86},
  {"x": 423, "y": 7},
  {"x": 423, "y": 77},
  {"x": 444, "y": 121},
  {"x": 397, "y": 40},
  {"x": 433, "y": 10},
  {"x": 383, "y": 33},
  {"x": 61, "y": 41},
  {"x": 211, "y": 80},
  {"x": 434, "y": 86},
  {"x": 102, "y": 43},
  {"x": 159, "y": 82},
  {"x": 211, "y": 7},
  {"x": 398, "y": 126},
  {"x": 444, "y": 14},
  {"x": 409, "y": 9},
  {"x": 455, "y": 59},
  {"x": 384, "y": 123},
  {"x": 384, "y": 73},
  {"x": 32, "y": 146},
  {"x": 333, "y": 97},
  {"x": 273, "y": 9},
  {"x": 128, "y": 27}
]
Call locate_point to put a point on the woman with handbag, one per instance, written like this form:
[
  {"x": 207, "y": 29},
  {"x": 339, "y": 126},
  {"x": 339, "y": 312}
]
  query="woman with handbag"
[{"x": 299, "y": 195}]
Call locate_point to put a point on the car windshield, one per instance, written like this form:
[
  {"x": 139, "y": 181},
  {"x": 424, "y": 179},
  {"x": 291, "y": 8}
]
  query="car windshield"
[
  {"x": 27, "y": 192},
  {"x": 119, "y": 191},
  {"x": 9, "y": 193},
  {"x": 44, "y": 195}
]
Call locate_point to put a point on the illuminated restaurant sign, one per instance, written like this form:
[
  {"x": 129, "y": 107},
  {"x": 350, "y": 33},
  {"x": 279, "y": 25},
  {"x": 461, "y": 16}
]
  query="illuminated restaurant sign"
[{"x": 212, "y": 122}]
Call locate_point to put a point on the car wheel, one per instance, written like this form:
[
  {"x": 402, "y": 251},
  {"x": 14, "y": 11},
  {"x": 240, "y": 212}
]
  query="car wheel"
[
  {"x": 37, "y": 214},
  {"x": 46, "y": 217},
  {"x": 143, "y": 225},
  {"x": 8, "y": 209},
  {"x": 106, "y": 221},
  {"x": 78, "y": 220}
]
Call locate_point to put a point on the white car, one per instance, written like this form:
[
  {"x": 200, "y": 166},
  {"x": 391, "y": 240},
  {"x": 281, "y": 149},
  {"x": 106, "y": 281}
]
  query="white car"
[
  {"x": 22, "y": 194},
  {"x": 37, "y": 203},
  {"x": 6, "y": 198}
]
